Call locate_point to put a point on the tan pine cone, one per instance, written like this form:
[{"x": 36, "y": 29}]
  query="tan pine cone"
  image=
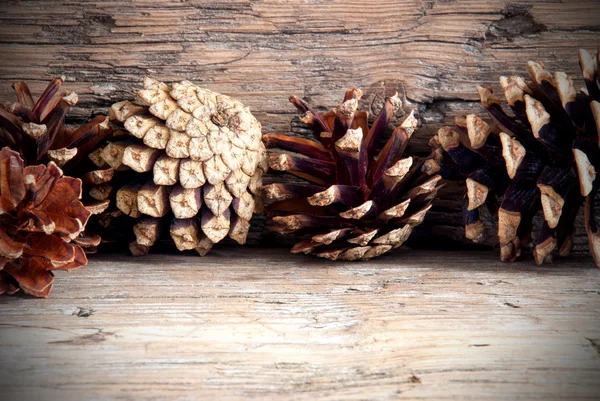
[
  {"x": 40, "y": 214},
  {"x": 541, "y": 157},
  {"x": 357, "y": 202},
  {"x": 200, "y": 161},
  {"x": 38, "y": 131}
]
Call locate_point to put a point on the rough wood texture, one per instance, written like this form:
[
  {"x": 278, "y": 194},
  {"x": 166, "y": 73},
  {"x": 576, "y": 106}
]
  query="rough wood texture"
[
  {"x": 261, "y": 325},
  {"x": 433, "y": 52}
]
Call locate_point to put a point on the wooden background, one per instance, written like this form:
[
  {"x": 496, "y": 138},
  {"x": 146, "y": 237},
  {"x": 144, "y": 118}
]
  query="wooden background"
[
  {"x": 434, "y": 52},
  {"x": 260, "y": 324}
]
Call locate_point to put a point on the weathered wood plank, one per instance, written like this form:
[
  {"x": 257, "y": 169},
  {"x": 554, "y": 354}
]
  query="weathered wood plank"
[
  {"x": 242, "y": 324},
  {"x": 434, "y": 52}
]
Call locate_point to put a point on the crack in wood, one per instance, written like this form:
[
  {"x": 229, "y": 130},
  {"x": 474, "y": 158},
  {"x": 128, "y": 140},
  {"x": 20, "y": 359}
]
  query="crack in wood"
[
  {"x": 595, "y": 343},
  {"x": 86, "y": 339},
  {"x": 516, "y": 22}
]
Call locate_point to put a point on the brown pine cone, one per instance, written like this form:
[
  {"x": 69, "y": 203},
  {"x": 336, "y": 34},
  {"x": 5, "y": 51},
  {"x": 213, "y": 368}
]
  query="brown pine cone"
[
  {"x": 542, "y": 157},
  {"x": 38, "y": 132},
  {"x": 358, "y": 202},
  {"x": 40, "y": 214},
  {"x": 199, "y": 159}
]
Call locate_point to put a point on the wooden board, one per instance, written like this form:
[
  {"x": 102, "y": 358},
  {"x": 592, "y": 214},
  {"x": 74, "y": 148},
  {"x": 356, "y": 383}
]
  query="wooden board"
[
  {"x": 261, "y": 324},
  {"x": 433, "y": 52}
]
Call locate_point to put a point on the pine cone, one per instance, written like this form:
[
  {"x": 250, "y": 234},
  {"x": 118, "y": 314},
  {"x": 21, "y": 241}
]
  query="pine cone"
[
  {"x": 37, "y": 131},
  {"x": 199, "y": 159},
  {"x": 543, "y": 157},
  {"x": 40, "y": 213},
  {"x": 358, "y": 203}
]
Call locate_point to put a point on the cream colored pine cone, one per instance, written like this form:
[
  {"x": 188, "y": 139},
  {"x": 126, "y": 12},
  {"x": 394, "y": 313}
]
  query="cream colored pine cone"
[{"x": 205, "y": 156}]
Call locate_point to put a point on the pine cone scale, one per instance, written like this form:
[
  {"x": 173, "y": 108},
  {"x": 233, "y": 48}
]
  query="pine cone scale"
[
  {"x": 12, "y": 187},
  {"x": 32, "y": 275},
  {"x": 9, "y": 248},
  {"x": 51, "y": 247}
]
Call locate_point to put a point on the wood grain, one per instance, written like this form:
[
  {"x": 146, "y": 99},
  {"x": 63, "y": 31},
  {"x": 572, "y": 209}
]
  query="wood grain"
[
  {"x": 250, "y": 324},
  {"x": 434, "y": 52}
]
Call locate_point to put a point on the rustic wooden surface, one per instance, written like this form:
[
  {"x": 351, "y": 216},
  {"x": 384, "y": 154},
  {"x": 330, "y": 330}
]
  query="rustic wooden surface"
[
  {"x": 260, "y": 324},
  {"x": 434, "y": 52},
  {"x": 267, "y": 325}
]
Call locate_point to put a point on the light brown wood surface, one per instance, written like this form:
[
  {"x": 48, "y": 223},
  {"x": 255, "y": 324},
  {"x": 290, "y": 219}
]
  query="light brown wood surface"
[
  {"x": 434, "y": 52},
  {"x": 262, "y": 324}
]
